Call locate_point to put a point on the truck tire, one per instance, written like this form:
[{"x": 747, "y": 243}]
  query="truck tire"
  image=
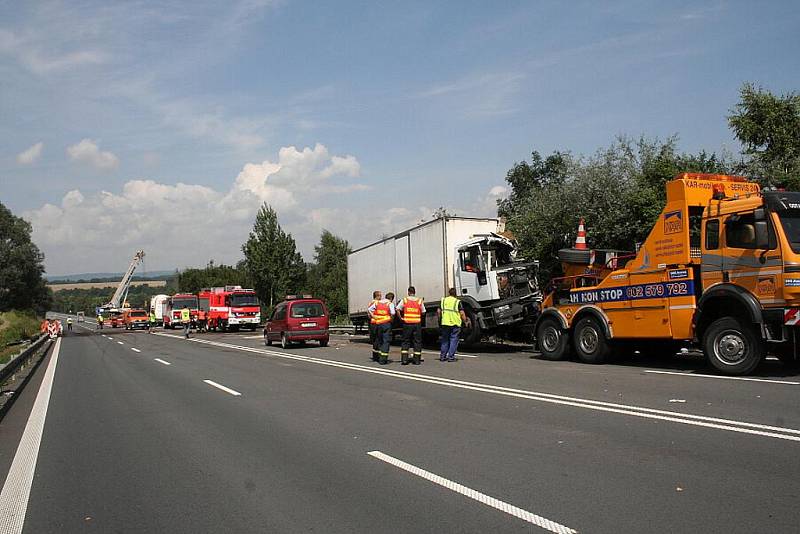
[
  {"x": 471, "y": 335},
  {"x": 590, "y": 341},
  {"x": 733, "y": 347},
  {"x": 553, "y": 340}
]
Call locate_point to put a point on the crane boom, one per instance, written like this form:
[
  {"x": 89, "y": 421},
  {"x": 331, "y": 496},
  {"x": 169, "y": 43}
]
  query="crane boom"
[{"x": 122, "y": 289}]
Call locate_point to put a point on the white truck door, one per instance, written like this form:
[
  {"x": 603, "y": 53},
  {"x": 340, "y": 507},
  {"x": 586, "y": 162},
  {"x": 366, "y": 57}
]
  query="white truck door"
[{"x": 473, "y": 279}]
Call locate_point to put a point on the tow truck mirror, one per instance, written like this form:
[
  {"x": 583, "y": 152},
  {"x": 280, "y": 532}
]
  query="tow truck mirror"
[{"x": 762, "y": 235}]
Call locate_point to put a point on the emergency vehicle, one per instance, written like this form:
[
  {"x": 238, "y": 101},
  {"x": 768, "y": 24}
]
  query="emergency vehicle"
[
  {"x": 173, "y": 306},
  {"x": 230, "y": 307},
  {"x": 720, "y": 268}
]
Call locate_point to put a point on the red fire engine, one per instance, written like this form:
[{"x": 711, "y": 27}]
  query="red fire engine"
[
  {"x": 231, "y": 307},
  {"x": 173, "y": 306}
]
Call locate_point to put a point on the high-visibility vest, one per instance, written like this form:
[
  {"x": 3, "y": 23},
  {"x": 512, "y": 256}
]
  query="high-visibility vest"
[
  {"x": 100, "y": 318},
  {"x": 382, "y": 313},
  {"x": 412, "y": 310},
  {"x": 152, "y": 317},
  {"x": 450, "y": 315},
  {"x": 372, "y": 303},
  {"x": 185, "y": 317}
]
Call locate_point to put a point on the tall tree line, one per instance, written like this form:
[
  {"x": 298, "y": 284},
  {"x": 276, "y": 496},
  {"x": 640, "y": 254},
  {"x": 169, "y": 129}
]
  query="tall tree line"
[{"x": 22, "y": 284}]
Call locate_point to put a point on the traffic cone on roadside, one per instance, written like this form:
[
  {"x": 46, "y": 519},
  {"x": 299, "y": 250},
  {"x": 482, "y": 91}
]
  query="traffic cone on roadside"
[{"x": 580, "y": 241}]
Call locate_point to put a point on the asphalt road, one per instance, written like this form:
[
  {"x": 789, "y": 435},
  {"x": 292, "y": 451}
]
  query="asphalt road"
[{"x": 223, "y": 433}]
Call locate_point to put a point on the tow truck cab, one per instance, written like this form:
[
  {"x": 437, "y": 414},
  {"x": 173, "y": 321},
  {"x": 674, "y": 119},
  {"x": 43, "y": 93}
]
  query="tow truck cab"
[{"x": 720, "y": 268}]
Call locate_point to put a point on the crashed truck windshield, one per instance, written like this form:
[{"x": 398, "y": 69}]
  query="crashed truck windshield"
[{"x": 790, "y": 220}]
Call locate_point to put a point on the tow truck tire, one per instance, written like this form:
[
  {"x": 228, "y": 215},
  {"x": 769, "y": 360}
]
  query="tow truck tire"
[
  {"x": 553, "y": 339},
  {"x": 733, "y": 347},
  {"x": 590, "y": 341}
]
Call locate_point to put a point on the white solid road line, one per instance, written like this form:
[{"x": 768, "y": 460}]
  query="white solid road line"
[
  {"x": 223, "y": 388},
  {"x": 159, "y": 360},
  {"x": 135, "y": 350},
  {"x": 510, "y": 509},
  {"x": 17, "y": 488},
  {"x": 742, "y": 427},
  {"x": 747, "y": 379}
]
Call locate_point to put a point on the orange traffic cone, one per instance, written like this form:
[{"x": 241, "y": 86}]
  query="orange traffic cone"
[{"x": 580, "y": 241}]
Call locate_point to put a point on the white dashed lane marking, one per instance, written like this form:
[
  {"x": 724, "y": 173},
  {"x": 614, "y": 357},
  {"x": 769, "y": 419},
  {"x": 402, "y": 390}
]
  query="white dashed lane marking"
[
  {"x": 510, "y": 509},
  {"x": 223, "y": 388},
  {"x": 159, "y": 360}
]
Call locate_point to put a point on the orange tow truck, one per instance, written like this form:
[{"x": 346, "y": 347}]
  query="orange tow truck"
[{"x": 720, "y": 269}]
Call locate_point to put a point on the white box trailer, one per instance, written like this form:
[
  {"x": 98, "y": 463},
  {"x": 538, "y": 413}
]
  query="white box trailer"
[{"x": 433, "y": 257}]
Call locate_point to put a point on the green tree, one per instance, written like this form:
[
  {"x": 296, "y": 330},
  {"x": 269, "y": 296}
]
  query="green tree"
[
  {"x": 193, "y": 280},
  {"x": 619, "y": 191},
  {"x": 271, "y": 259},
  {"x": 769, "y": 128},
  {"x": 22, "y": 286},
  {"x": 328, "y": 275}
]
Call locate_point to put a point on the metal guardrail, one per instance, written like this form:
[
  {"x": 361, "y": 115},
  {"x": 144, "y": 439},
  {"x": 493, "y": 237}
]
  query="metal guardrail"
[
  {"x": 9, "y": 370},
  {"x": 344, "y": 328}
]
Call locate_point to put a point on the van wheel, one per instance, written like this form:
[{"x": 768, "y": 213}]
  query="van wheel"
[
  {"x": 285, "y": 341},
  {"x": 267, "y": 340},
  {"x": 732, "y": 347},
  {"x": 553, "y": 340},
  {"x": 590, "y": 341}
]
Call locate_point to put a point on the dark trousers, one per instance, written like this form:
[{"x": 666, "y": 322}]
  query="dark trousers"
[
  {"x": 412, "y": 337},
  {"x": 375, "y": 348},
  {"x": 380, "y": 346},
  {"x": 449, "y": 342}
]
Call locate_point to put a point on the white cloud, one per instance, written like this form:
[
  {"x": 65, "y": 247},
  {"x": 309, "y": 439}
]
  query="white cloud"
[
  {"x": 31, "y": 155},
  {"x": 187, "y": 224},
  {"x": 88, "y": 152}
]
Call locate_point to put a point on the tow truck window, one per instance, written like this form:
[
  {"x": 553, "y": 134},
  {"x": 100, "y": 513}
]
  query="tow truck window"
[
  {"x": 740, "y": 232},
  {"x": 790, "y": 220},
  {"x": 712, "y": 234}
]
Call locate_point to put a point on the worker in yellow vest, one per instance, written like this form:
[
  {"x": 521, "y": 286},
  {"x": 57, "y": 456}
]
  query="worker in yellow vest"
[
  {"x": 382, "y": 311},
  {"x": 186, "y": 320},
  {"x": 451, "y": 317},
  {"x": 411, "y": 310},
  {"x": 376, "y": 353}
]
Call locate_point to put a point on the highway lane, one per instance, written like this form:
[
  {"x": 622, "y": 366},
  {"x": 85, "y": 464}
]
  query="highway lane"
[{"x": 132, "y": 443}]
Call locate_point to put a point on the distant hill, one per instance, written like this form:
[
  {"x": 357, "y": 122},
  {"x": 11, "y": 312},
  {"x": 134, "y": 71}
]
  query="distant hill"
[{"x": 107, "y": 277}]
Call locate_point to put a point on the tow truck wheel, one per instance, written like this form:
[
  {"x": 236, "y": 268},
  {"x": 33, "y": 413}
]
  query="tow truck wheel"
[
  {"x": 553, "y": 340},
  {"x": 590, "y": 341},
  {"x": 732, "y": 347}
]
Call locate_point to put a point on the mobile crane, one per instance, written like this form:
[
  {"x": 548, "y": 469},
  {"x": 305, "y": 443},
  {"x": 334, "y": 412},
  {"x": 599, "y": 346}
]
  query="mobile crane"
[{"x": 121, "y": 294}]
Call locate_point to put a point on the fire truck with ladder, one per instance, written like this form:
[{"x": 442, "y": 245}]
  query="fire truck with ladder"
[
  {"x": 230, "y": 308},
  {"x": 720, "y": 268}
]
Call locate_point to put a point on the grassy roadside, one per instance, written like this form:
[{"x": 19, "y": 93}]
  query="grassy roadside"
[{"x": 15, "y": 326}]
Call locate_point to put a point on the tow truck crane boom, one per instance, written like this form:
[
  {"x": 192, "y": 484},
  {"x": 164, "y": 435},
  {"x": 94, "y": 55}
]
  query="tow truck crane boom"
[{"x": 122, "y": 289}]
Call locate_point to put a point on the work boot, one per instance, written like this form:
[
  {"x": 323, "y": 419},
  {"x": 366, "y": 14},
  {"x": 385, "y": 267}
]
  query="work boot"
[
  {"x": 404, "y": 358},
  {"x": 417, "y": 358},
  {"x": 384, "y": 359},
  {"x": 375, "y": 356}
]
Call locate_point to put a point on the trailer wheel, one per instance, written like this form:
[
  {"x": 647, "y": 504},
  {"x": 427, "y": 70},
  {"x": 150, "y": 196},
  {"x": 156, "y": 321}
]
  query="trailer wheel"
[
  {"x": 590, "y": 341},
  {"x": 732, "y": 347},
  {"x": 553, "y": 340}
]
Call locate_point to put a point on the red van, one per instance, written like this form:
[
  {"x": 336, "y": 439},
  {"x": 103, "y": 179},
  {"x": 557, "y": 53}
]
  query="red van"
[{"x": 298, "y": 319}]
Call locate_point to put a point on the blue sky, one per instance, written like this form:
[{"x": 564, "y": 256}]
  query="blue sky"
[{"x": 164, "y": 125}]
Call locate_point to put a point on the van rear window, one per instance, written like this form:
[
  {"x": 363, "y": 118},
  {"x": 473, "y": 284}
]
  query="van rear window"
[{"x": 307, "y": 309}]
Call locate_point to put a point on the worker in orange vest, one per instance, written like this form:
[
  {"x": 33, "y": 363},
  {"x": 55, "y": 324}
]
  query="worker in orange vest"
[
  {"x": 411, "y": 310},
  {"x": 381, "y": 313},
  {"x": 376, "y": 353}
]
